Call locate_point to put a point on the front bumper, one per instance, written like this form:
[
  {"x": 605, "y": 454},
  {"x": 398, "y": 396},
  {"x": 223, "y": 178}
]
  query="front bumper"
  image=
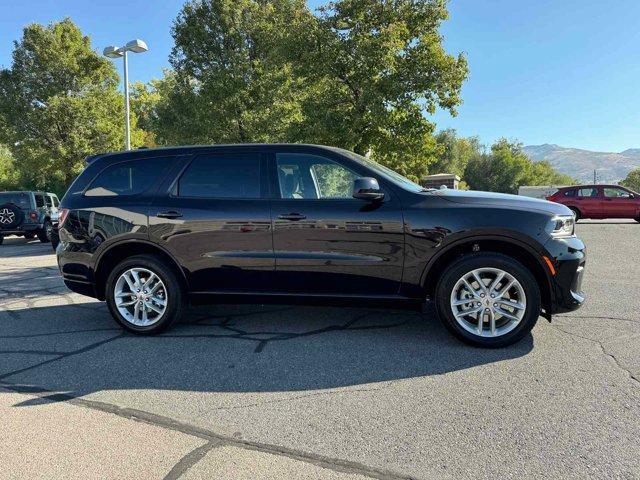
[{"x": 569, "y": 257}]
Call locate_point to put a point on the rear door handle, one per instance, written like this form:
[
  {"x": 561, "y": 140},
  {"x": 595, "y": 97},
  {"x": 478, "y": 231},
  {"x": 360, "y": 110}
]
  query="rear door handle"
[
  {"x": 291, "y": 216},
  {"x": 169, "y": 214}
]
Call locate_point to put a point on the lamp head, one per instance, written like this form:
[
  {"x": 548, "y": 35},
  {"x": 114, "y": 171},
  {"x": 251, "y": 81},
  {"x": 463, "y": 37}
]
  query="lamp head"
[
  {"x": 112, "y": 52},
  {"x": 136, "y": 46}
]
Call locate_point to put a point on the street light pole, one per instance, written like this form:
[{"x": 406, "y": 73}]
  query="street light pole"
[
  {"x": 135, "y": 46},
  {"x": 127, "y": 125}
]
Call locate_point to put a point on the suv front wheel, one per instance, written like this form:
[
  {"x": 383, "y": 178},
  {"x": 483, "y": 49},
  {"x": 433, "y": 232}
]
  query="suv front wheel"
[
  {"x": 144, "y": 295},
  {"x": 488, "y": 300}
]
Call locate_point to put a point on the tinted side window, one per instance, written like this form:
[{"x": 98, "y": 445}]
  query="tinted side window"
[
  {"x": 588, "y": 192},
  {"x": 128, "y": 178},
  {"x": 48, "y": 201},
  {"x": 56, "y": 202},
  {"x": 570, "y": 193},
  {"x": 39, "y": 200},
  {"x": 222, "y": 176}
]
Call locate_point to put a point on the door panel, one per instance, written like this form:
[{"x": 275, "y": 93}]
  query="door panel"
[
  {"x": 589, "y": 201},
  {"x": 326, "y": 242},
  {"x": 224, "y": 244},
  {"x": 618, "y": 203}
]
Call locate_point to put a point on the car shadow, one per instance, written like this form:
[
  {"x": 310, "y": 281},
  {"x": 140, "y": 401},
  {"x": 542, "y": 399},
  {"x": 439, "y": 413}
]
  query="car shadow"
[
  {"x": 77, "y": 349},
  {"x": 15, "y": 246}
]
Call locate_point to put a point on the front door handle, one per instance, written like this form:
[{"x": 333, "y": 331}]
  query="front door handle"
[
  {"x": 169, "y": 214},
  {"x": 291, "y": 216}
]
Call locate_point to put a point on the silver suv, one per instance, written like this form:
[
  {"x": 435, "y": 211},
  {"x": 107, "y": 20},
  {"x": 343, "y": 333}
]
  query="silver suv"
[{"x": 28, "y": 214}]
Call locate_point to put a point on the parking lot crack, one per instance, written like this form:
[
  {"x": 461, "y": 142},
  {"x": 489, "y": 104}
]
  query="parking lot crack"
[
  {"x": 213, "y": 439},
  {"x": 190, "y": 459},
  {"x": 62, "y": 356},
  {"x": 604, "y": 351},
  {"x": 308, "y": 395}
]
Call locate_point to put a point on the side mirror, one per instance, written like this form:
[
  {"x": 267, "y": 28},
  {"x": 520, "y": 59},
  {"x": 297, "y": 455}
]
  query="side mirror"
[{"x": 367, "y": 188}]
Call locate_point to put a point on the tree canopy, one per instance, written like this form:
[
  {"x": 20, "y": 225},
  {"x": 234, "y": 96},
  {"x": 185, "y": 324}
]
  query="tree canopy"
[
  {"x": 360, "y": 75},
  {"x": 58, "y": 103},
  {"x": 363, "y": 75},
  {"x": 506, "y": 167},
  {"x": 232, "y": 78},
  {"x": 632, "y": 181}
]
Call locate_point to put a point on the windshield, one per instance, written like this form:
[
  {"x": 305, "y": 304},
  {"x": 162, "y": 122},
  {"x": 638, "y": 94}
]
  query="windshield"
[
  {"x": 387, "y": 173},
  {"x": 19, "y": 199}
]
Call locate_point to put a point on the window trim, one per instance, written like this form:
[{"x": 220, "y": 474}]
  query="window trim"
[{"x": 264, "y": 190}]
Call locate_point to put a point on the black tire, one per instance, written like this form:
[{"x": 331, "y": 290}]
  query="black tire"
[
  {"x": 175, "y": 293},
  {"x": 474, "y": 261},
  {"x": 44, "y": 234},
  {"x": 10, "y": 216},
  {"x": 1, "y": 239},
  {"x": 576, "y": 213}
]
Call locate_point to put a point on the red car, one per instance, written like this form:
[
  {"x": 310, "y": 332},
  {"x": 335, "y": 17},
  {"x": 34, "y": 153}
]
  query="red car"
[{"x": 599, "y": 201}]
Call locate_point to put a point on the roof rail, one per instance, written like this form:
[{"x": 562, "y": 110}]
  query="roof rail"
[{"x": 93, "y": 158}]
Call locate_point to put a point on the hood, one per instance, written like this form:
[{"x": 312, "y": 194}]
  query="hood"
[{"x": 519, "y": 202}]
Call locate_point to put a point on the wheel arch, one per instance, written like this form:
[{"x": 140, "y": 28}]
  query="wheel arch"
[
  {"x": 117, "y": 252},
  {"x": 529, "y": 256}
]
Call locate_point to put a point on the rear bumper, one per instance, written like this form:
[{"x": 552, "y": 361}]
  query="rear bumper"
[
  {"x": 81, "y": 287},
  {"x": 21, "y": 230},
  {"x": 570, "y": 259}
]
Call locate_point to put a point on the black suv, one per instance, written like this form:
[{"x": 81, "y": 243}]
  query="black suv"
[
  {"x": 151, "y": 230},
  {"x": 28, "y": 214}
]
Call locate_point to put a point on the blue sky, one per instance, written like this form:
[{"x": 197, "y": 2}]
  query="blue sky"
[{"x": 543, "y": 71}]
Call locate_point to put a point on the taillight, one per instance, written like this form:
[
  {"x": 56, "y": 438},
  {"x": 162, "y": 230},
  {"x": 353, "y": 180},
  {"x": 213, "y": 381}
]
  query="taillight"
[
  {"x": 33, "y": 215},
  {"x": 62, "y": 216}
]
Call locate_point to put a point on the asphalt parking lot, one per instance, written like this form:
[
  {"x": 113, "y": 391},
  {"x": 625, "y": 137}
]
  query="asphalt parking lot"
[{"x": 313, "y": 392}]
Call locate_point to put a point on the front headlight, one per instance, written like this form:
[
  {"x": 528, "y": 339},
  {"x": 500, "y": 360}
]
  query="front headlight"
[{"x": 562, "y": 226}]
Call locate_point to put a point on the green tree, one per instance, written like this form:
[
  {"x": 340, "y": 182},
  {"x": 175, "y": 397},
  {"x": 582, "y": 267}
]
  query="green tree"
[
  {"x": 632, "y": 181},
  {"x": 454, "y": 152},
  {"x": 58, "y": 103},
  {"x": 506, "y": 167},
  {"x": 543, "y": 173},
  {"x": 360, "y": 75},
  {"x": 144, "y": 100},
  {"x": 232, "y": 77},
  {"x": 377, "y": 66},
  {"x": 9, "y": 177}
]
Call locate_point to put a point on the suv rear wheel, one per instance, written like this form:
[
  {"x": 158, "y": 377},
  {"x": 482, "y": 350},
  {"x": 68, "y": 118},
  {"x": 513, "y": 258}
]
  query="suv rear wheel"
[
  {"x": 44, "y": 235},
  {"x": 144, "y": 295},
  {"x": 488, "y": 300}
]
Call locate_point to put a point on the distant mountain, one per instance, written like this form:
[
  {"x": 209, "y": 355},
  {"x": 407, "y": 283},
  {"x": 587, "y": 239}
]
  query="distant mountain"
[{"x": 580, "y": 164}]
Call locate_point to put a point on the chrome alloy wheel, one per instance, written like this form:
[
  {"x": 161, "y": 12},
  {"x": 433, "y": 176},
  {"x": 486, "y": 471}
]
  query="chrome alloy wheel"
[
  {"x": 140, "y": 297},
  {"x": 488, "y": 302}
]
